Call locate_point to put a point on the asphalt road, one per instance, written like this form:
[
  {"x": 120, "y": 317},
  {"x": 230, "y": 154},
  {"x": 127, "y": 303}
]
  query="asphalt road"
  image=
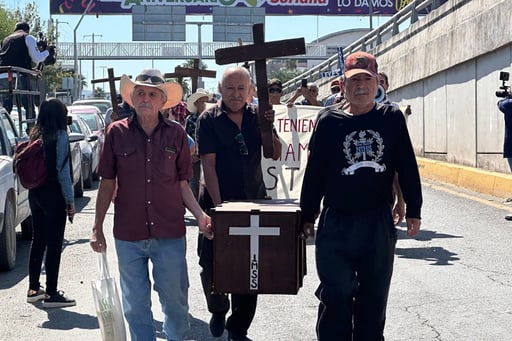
[{"x": 453, "y": 281}]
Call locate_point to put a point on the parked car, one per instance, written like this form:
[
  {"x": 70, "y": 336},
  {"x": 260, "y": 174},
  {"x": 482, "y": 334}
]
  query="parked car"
[
  {"x": 100, "y": 103},
  {"x": 24, "y": 125},
  {"x": 75, "y": 139},
  {"x": 90, "y": 149},
  {"x": 92, "y": 116},
  {"x": 14, "y": 205}
]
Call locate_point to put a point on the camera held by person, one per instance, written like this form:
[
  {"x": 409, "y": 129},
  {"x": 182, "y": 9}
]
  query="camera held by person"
[
  {"x": 42, "y": 44},
  {"x": 504, "y": 90}
]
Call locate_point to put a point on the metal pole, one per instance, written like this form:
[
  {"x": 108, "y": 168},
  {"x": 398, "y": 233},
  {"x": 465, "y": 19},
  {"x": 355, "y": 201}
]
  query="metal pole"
[
  {"x": 93, "y": 54},
  {"x": 93, "y": 66},
  {"x": 57, "y": 23},
  {"x": 199, "y": 53},
  {"x": 56, "y": 31},
  {"x": 317, "y": 30},
  {"x": 370, "y": 9},
  {"x": 76, "y": 87},
  {"x": 103, "y": 84}
]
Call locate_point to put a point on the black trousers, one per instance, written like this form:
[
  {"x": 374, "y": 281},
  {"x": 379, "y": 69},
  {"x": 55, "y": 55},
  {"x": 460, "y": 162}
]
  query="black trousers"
[
  {"x": 27, "y": 101},
  {"x": 49, "y": 221},
  {"x": 354, "y": 258},
  {"x": 243, "y": 307},
  {"x": 196, "y": 178}
]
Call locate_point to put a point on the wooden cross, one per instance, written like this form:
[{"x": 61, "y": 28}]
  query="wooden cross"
[
  {"x": 112, "y": 87},
  {"x": 193, "y": 73},
  {"x": 259, "y": 52},
  {"x": 174, "y": 75}
]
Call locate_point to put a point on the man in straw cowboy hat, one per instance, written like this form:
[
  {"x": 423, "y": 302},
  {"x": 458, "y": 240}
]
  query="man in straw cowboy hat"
[
  {"x": 150, "y": 158},
  {"x": 196, "y": 103}
]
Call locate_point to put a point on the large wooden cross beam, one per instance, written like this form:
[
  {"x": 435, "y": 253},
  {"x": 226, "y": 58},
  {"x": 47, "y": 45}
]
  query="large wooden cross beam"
[
  {"x": 174, "y": 75},
  {"x": 112, "y": 88},
  {"x": 194, "y": 73},
  {"x": 259, "y": 52}
]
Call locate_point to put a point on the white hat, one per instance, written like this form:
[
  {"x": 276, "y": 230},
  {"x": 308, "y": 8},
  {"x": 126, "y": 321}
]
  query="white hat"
[
  {"x": 152, "y": 78},
  {"x": 194, "y": 97}
]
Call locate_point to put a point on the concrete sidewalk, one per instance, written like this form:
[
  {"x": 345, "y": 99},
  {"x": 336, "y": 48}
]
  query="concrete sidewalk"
[{"x": 474, "y": 179}]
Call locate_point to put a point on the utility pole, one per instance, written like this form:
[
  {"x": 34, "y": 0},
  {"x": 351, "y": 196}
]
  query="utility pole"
[
  {"x": 370, "y": 10},
  {"x": 76, "y": 86},
  {"x": 199, "y": 52},
  {"x": 103, "y": 84},
  {"x": 57, "y": 22},
  {"x": 93, "y": 53}
]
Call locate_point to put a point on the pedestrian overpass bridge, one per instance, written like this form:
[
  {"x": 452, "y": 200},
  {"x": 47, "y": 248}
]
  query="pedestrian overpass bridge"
[{"x": 160, "y": 50}]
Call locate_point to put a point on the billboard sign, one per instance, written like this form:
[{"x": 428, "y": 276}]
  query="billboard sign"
[
  {"x": 235, "y": 23},
  {"x": 272, "y": 7},
  {"x": 158, "y": 23}
]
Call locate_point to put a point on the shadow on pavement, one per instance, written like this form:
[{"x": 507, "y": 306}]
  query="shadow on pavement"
[
  {"x": 63, "y": 319},
  {"x": 199, "y": 330},
  {"x": 81, "y": 203},
  {"x": 435, "y": 255},
  {"x": 423, "y": 235},
  {"x": 11, "y": 278}
]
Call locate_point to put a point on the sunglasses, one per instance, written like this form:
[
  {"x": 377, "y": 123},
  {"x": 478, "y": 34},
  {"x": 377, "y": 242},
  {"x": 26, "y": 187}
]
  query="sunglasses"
[
  {"x": 272, "y": 90},
  {"x": 239, "y": 138},
  {"x": 152, "y": 79},
  {"x": 382, "y": 82}
]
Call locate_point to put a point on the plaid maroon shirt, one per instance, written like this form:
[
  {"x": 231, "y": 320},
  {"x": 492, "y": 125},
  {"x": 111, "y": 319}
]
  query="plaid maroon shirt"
[{"x": 180, "y": 112}]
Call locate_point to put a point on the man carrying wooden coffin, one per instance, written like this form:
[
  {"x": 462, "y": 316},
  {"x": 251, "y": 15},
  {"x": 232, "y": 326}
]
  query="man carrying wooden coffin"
[{"x": 229, "y": 144}]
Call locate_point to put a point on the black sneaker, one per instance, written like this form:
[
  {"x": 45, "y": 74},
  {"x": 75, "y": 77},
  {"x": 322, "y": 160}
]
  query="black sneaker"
[
  {"x": 217, "y": 324},
  {"x": 237, "y": 337},
  {"x": 58, "y": 300},
  {"x": 36, "y": 295}
]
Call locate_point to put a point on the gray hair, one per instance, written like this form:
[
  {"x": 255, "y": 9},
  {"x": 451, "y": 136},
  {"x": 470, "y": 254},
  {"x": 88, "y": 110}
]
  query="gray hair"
[{"x": 235, "y": 69}]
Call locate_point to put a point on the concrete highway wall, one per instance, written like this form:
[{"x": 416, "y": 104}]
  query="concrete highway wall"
[{"x": 446, "y": 66}]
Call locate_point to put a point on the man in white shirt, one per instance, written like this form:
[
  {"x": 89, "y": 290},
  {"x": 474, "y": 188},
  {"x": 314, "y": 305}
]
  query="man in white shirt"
[{"x": 19, "y": 49}]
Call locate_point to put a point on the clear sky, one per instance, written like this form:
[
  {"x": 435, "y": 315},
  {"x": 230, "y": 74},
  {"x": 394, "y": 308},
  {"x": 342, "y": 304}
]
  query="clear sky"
[{"x": 117, "y": 28}]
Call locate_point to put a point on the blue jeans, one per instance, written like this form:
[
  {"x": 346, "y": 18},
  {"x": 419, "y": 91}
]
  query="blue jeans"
[{"x": 171, "y": 282}]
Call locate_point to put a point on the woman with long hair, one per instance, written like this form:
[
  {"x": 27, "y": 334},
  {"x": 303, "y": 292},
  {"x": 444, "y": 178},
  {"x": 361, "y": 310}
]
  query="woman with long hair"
[{"x": 50, "y": 204}]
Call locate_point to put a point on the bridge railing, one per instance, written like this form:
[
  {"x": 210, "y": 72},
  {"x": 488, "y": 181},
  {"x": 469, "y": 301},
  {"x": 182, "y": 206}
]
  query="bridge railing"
[{"x": 158, "y": 50}]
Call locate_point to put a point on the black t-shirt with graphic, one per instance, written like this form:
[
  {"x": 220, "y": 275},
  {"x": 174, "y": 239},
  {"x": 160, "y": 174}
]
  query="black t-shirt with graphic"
[{"x": 353, "y": 160}]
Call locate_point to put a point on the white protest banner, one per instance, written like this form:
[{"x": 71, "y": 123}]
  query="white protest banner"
[{"x": 283, "y": 177}]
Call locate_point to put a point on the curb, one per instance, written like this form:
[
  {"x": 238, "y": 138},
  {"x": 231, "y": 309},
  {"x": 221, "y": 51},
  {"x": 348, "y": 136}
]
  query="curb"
[{"x": 478, "y": 180}]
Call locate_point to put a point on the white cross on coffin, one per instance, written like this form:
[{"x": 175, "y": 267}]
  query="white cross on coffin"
[{"x": 254, "y": 231}]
